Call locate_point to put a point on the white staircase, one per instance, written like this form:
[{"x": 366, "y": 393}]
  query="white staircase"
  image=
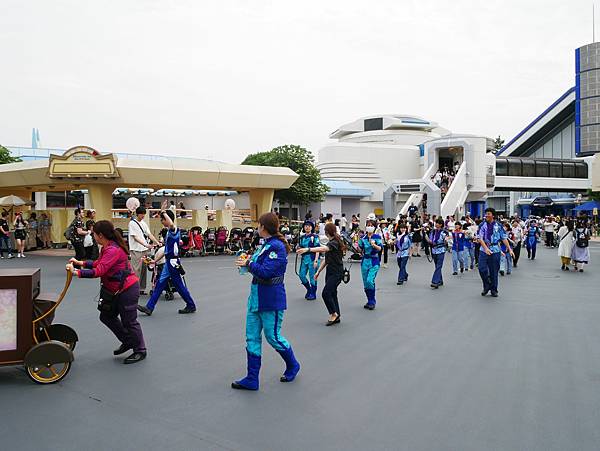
[{"x": 456, "y": 195}]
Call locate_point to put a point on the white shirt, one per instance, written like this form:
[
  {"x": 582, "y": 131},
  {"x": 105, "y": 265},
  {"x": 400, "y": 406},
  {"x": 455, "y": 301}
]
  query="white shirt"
[
  {"x": 343, "y": 222},
  {"x": 139, "y": 231},
  {"x": 549, "y": 226}
]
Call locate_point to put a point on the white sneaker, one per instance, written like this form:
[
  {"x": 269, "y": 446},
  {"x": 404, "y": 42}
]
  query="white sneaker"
[
  {"x": 2, "y": 257},
  {"x": 22, "y": 255},
  {"x": 11, "y": 256}
]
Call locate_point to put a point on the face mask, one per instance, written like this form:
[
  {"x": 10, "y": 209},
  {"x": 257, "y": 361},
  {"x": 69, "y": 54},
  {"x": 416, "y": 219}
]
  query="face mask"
[{"x": 370, "y": 229}]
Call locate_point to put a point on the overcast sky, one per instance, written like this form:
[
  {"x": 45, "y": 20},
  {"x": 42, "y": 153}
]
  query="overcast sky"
[{"x": 223, "y": 79}]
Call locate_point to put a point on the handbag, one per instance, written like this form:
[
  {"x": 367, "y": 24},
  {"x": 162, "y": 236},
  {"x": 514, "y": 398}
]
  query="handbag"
[
  {"x": 107, "y": 301},
  {"x": 88, "y": 240}
]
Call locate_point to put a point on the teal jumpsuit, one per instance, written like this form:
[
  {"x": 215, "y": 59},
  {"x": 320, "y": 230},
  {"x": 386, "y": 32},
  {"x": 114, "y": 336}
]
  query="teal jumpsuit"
[
  {"x": 370, "y": 265},
  {"x": 309, "y": 240}
]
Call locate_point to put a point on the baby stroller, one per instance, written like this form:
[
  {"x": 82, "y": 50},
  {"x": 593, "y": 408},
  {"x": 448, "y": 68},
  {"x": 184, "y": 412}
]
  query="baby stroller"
[
  {"x": 221, "y": 241},
  {"x": 210, "y": 240},
  {"x": 235, "y": 240},
  {"x": 247, "y": 237},
  {"x": 198, "y": 241},
  {"x": 186, "y": 243},
  {"x": 156, "y": 270}
]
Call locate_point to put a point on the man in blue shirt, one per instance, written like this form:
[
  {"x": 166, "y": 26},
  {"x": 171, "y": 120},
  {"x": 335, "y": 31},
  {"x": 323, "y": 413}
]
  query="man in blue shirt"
[{"x": 490, "y": 235}]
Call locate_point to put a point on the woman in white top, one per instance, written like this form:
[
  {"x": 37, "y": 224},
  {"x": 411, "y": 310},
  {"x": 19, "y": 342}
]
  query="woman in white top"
[
  {"x": 565, "y": 244},
  {"x": 517, "y": 231}
]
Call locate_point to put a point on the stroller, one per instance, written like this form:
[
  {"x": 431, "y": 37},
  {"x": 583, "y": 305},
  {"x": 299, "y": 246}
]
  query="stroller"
[
  {"x": 221, "y": 240},
  {"x": 186, "y": 243},
  {"x": 156, "y": 270},
  {"x": 198, "y": 241},
  {"x": 235, "y": 240},
  {"x": 210, "y": 240},
  {"x": 247, "y": 237}
]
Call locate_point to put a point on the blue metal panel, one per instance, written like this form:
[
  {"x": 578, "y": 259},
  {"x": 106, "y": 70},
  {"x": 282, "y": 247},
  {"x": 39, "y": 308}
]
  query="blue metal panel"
[
  {"x": 421, "y": 150},
  {"x": 577, "y": 102}
]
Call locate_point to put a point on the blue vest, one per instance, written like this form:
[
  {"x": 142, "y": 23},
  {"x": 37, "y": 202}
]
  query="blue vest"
[{"x": 309, "y": 240}]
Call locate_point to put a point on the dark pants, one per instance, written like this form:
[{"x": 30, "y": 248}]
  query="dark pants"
[
  {"x": 4, "y": 243},
  {"x": 438, "y": 260},
  {"x": 477, "y": 250},
  {"x": 79, "y": 250},
  {"x": 402, "y": 274},
  {"x": 489, "y": 265},
  {"x": 174, "y": 276},
  {"x": 329, "y": 293},
  {"x": 91, "y": 252},
  {"x": 550, "y": 239},
  {"x": 124, "y": 323},
  {"x": 517, "y": 252}
]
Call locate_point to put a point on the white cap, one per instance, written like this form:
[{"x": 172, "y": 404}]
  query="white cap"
[{"x": 371, "y": 217}]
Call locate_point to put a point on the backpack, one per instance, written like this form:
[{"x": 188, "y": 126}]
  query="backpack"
[
  {"x": 68, "y": 234},
  {"x": 582, "y": 239}
]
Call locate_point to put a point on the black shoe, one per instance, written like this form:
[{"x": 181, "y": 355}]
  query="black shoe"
[
  {"x": 135, "y": 358},
  {"x": 241, "y": 387},
  {"x": 370, "y": 307},
  {"x": 144, "y": 309},
  {"x": 462, "y": 270},
  {"x": 418, "y": 255},
  {"x": 335, "y": 321},
  {"x": 484, "y": 293},
  {"x": 185, "y": 310},
  {"x": 455, "y": 273},
  {"x": 399, "y": 283},
  {"x": 122, "y": 349},
  {"x": 494, "y": 294},
  {"x": 501, "y": 273},
  {"x": 581, "y": 270},
  {"x": 562, "y": 267},
  {"x": 435, "y": 286}
]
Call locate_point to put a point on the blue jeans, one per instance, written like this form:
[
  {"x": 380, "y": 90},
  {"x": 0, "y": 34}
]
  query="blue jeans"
[
  {"x": 402, "y": 274},
  {"x": 4, "y": 243},
  {"x": 458, "y": 257},
  {"x": 470, "y": 257},
  {"x": 489, "y": 265},
  {"x": 438, "y": 260},
  {"x": 506, "y": 263}
]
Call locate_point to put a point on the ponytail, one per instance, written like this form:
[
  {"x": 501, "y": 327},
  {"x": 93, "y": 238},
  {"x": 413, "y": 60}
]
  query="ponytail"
[
  {"x": 108, "y": 231},
  {"x": 331, "y": 230}
]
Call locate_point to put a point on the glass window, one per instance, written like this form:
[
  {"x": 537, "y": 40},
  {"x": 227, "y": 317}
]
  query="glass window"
[
  {"x": 555, "y": 169},
  {"x": 566, "y": 143},
  {"x": 501, "y": 166},
  {"x": 581, "y": 170},
  {"x": 568, "y": 169},
  {"x": 514, "y": 167},
  {"x": 547, "y": 150},
  {"x": 528, "y": 167},
  {"x": 541, "y": 168}
]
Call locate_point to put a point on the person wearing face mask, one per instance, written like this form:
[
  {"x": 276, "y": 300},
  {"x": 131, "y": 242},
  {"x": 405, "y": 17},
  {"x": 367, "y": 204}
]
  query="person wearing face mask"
[
  {"x": 403, "y": 246},
  {"x": 310, "y": 261},
  {"x": 437, "y": 239},
  {"x": 267, "y": 303},
  {"x": 370, "y": 244}
]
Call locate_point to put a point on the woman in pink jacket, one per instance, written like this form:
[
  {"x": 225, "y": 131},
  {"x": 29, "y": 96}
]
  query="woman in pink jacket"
[{"x": 120, "y": 290}]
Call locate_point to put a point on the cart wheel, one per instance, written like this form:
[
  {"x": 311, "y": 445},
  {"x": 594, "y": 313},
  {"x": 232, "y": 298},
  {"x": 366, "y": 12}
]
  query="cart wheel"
[
  {"x": 169, "y": 296},
  {"x": 49, "y": 373},
  {"x": 48, "y": 362},
  {"x": 63, "y": 333}
]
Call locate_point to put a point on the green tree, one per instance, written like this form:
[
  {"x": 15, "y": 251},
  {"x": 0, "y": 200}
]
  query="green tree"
[
  {"x": 498, "y": 144},
  {"x": 6, "y": 157},
  {"x": 308, "y": 187}
]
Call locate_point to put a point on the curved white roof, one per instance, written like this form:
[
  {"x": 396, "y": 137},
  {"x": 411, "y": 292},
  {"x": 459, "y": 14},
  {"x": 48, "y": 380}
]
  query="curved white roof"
[{"x": 384, "y": 122}]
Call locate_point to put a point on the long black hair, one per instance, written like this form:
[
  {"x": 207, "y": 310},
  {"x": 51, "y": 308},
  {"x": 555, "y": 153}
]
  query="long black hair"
[
  {"x": 108, "y": 231},
  {"x": 270, "y": 222}
]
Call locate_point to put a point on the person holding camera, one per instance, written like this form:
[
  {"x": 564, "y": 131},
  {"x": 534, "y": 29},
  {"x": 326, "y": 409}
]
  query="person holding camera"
[
  {"x": 140, "y": 242},
  {"x": 172, "y": 270},
  {"x": 119, "y": 290}
]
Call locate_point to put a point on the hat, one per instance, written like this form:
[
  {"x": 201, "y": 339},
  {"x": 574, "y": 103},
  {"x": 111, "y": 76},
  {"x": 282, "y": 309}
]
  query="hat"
[
  {"x": 371, "y": 217},
  {"x": 310, "y": 223}
]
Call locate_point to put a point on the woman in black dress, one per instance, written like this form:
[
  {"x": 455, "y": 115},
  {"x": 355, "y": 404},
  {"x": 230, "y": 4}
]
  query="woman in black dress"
[
  {"x": 333, "y": 261},
  {"x": 417, "y": 237}
]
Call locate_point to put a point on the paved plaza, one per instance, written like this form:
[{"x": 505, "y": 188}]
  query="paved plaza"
[{"x": 427, "y": 370}]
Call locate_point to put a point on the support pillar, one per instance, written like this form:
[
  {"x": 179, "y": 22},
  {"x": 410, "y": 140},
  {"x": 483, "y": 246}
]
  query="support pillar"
[
  {"x": 261, "y": 201},
  {"x": 224, "y": 218},
  {"x": 101, "y": 200},
  {"x": 200, "y": 218}
]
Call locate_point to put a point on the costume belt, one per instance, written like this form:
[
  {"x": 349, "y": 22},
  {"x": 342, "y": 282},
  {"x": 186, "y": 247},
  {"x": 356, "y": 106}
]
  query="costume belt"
[{"x": 272, "y": 281}]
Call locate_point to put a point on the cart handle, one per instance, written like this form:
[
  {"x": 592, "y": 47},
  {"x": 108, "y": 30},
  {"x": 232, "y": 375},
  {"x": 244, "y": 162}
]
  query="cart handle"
[{"x": 58, "y": 301}]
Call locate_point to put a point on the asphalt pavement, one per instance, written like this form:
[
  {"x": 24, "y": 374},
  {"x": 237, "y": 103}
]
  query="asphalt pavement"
[{"x": 427, "y": 370}]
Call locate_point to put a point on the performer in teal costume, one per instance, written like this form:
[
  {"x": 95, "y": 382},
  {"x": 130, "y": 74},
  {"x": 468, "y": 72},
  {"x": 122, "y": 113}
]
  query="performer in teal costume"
[
  {"x": 310, "y": 261},
  {"x": 370, "y": 244},
  {"x": 266, "y": 303}
]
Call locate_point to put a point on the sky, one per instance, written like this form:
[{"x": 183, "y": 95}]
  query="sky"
[{"x": 224, "y": 79}]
